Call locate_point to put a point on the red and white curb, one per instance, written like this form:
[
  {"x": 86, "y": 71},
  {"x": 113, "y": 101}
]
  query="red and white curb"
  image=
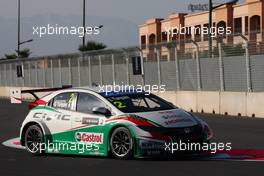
[
  {"x": 13, "y": 143},
  {"x": 232, "y": 155},
  {"x": 240, "y": 155}
]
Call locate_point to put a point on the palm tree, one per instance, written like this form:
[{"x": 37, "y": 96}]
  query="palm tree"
[
  {"x": 92, "y": 45},
  {"x": 10, "y": 56},
  {"x": 25, "y": 53}
]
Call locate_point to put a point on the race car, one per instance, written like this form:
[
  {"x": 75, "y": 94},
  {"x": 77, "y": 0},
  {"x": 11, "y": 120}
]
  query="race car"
[{"x": 92, "y": 121}]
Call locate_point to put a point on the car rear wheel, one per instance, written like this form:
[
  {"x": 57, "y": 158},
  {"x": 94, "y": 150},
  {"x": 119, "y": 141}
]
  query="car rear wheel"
[
  {"x": 34, "y": 140},
  {"x": 121, "y": 143}
]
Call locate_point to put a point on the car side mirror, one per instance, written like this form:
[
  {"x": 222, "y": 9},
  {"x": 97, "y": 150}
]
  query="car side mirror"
[{"x": 102, "y": 110}]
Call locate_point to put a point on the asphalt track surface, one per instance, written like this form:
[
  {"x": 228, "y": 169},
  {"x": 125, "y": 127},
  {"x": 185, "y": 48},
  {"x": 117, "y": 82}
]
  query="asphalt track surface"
[{"x": 246, "y": 133}]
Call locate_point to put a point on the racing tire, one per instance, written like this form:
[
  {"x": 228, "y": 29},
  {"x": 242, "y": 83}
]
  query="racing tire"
[
  {"x": 34, "y": 139},
  {"x": 121, "y": 143}
]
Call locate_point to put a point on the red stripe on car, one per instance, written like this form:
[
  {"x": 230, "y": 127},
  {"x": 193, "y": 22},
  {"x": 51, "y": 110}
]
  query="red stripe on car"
[{"x": 134, "y": 120}]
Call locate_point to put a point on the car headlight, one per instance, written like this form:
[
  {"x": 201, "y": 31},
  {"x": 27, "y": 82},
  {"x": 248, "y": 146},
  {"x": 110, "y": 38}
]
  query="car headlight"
[{"x": 208, "y": 131}]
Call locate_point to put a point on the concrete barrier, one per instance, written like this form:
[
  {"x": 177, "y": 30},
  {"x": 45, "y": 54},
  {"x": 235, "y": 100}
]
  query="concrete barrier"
[
  {"x": 169, "y": 96},
  {"x": 255, "y": 104},
  {"x": 5, "y": 93},
  {"x": 208, "y": 102},
  {"x": 187, "y": 100},
  {"x": 231, "y": 103}
]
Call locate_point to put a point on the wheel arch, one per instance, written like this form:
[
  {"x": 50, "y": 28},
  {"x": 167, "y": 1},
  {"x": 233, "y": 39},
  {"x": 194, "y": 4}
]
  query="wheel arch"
[{"x": 43, "y": 127}]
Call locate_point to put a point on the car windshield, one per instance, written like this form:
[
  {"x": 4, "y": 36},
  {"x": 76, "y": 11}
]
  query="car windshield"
[{"x": 138, "y": 102}]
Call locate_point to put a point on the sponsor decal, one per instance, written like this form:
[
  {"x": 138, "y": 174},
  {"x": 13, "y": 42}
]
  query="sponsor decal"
[
  {"x": 90, "y": 121},
  {"x": 47, "y": 117},
  {"x": 174, "y": 121},
  {"x": 171, "y": 116},
  {"x": 94, "y": 138}
]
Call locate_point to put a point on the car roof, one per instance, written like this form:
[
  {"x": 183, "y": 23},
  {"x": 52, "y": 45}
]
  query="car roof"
[{"x": 109, "y": 90}]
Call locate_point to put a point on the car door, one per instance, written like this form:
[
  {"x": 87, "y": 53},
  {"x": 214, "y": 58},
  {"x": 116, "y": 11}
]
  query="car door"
[
  {"x": 58, "y": 116},
  {"x": 88, "y": 128}
]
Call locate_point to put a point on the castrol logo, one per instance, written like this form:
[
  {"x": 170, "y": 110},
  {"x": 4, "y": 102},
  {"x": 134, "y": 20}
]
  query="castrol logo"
[{"x": 93, "y": 138}]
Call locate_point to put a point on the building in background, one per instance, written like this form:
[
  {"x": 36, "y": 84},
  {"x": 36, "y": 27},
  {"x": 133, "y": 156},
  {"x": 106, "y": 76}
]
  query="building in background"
[{"x": 246, "y": 19}]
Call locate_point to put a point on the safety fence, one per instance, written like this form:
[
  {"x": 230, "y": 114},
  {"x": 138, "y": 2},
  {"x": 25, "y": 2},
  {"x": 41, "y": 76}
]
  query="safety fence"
[{"x": 230, "y": 68}]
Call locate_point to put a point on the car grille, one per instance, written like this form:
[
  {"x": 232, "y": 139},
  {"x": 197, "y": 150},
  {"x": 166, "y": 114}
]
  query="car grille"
[{"x": 193, "y": 133}]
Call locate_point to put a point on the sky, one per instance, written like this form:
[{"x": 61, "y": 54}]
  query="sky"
[{"x": 119, "y": 17}]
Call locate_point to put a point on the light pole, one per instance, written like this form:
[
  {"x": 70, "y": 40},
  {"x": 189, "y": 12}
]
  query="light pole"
[
  {"x": 84, "y": 25},
  {"x": 18, "y": 28},
  {"x": 18, "y": 31},
  {"x": 210, "y": 41},
  {"x": 211, "y": 8}
]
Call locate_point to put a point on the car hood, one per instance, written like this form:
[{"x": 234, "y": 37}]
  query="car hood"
[{"x": 170, "y": 118}]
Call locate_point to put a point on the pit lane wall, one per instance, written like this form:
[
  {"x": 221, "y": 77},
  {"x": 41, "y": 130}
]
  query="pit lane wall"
[{"x": 249, "y": 104}]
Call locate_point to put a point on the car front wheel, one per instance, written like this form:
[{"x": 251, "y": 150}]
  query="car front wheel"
[
  {"x": 121, "y": 143},
  {"x": 34, "y": 140}
]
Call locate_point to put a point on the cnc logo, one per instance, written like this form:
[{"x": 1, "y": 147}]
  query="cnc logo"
[{"x": 90, "y": 138}]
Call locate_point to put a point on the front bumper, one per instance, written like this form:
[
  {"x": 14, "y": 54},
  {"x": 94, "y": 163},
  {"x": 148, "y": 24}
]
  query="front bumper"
[{"x": 168, "y": 148}]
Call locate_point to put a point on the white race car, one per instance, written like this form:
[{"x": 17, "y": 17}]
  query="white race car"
[{"x": 89, "y": 121}]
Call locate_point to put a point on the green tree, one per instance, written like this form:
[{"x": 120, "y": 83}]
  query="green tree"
[
  {"x": 25, "y": 53},
  {"x": 10, "y": 56},
  {"x": 92, "y": 45}
]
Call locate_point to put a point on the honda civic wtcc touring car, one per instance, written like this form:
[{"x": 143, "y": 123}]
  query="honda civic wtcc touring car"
[{"x": 124, "y": 124}]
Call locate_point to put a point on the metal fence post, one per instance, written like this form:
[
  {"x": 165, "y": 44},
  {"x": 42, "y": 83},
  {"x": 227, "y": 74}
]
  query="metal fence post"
[
  {"x": 249, "y": 83},
  {"x": 127, "y": 67},
  {"x": 69, "y": 69},
  {"x": 90, "y": 70},
  {"x": 142, "y": 66},
  {"x": 5, "y": 75},
  {"x": 221, "y": 67},
  {"x": 11, "y": 75},
  {"x": 198, "y": 66},
  {"x": 100, "y": 70},
  {"x": 127, "y": 71},
  {"x": 248, "y": 67},
  {"x": 16, "y": 81},
  {"x": 29, "y": 75},
  {"x": 23, "y": 78},
  {"x": 159, "y": 68},
  {"x": 60, "y": 75},
  {"x": 51, "y": 72},
  {"x": 113, "y": 69},
  {"x": 177, "y": 68},
  {"x": 36, "y": 72},
  {"x": 79, "y": 72},
  {"x": 43, "y": 71}
]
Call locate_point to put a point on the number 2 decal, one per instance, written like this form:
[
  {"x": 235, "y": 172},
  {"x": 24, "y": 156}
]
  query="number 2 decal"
[{"x": 119, "y": 104}]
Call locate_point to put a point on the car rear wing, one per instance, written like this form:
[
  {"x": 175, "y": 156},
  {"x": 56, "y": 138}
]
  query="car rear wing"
[{"x": 16, "y": 93}]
